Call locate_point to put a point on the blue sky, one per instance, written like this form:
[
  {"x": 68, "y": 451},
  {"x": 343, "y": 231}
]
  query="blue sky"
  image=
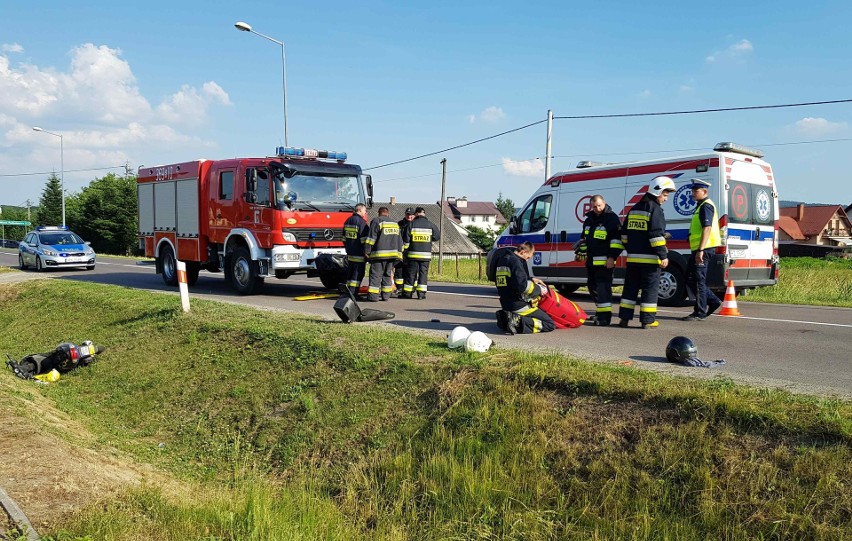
[{"x": 158, "y": 82}]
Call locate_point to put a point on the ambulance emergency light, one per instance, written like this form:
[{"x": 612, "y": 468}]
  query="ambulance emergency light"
[
  {"x": 740, "y": 149},
  {"x": 292, "y": 152}
]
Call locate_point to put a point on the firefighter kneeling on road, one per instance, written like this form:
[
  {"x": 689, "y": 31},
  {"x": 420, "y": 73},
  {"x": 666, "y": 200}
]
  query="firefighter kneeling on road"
[{"x": 517, "y": 292}]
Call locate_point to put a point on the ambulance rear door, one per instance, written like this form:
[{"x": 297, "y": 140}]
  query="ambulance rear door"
[{"x": 751, "y": 208}]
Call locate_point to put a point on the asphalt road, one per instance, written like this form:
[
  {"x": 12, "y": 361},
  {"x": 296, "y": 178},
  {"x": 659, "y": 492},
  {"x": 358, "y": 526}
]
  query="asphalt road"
[{"x": 803, "y": 349}]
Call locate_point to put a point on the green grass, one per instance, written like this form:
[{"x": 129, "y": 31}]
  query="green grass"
[
  {"x": 807, "y": 280},
  {"x": 277, "y": 426}
]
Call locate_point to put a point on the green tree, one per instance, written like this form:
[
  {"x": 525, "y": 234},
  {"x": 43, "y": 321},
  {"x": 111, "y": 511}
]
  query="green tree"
[
  {"x": 50, "y": 205},
  {"x": 483, "y": 238},
  {"x": 105, "y": 214},
  {"x": 15, "y": 214},
  {"x": 505, "y": 206}
]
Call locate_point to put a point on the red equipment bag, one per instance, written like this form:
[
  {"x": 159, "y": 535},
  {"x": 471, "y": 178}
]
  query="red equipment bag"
[{"x": 565, "y": 313}]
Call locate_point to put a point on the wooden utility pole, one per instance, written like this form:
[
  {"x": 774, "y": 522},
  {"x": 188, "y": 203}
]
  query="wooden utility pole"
[{"x": 441, "y": 222}]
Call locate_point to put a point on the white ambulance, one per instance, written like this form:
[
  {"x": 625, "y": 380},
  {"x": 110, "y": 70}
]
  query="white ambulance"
[{"x": 743, "y": 189}]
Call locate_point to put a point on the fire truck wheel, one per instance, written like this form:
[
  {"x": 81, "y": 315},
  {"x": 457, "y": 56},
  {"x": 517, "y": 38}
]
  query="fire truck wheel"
[
  {"x": 192, "y": 270},
  {"x": 672, "y": 290},
  {"x": 243, "y": 272},
  {"x": 331, "y": 280},
  {"x": 169, "y": 265}
]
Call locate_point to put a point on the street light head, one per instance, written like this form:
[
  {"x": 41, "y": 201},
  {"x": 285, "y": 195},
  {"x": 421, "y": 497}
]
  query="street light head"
[
  {"x": 36, "y": 128},
  {"x": 245, "y": 27}
]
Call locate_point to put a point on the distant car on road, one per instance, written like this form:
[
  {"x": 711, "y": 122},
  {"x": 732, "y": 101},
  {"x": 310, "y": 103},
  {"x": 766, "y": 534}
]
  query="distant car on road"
[
  {"x": 54, "y": 246},
  {"x": 10, "y": 243}
]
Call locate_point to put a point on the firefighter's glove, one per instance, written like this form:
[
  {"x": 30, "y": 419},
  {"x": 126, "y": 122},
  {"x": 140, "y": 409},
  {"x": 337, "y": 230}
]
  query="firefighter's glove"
[{"x": 580, "y": 251}]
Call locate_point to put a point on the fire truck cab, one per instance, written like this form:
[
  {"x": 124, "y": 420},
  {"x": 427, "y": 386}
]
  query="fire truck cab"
[{"x": 249, "y": 217}]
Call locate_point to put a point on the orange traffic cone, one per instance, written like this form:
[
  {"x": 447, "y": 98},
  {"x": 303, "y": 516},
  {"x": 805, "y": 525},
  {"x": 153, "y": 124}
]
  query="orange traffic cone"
[{"x": 729, "y": 304}]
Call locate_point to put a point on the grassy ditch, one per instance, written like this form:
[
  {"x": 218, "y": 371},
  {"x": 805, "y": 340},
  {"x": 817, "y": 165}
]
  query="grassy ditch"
[{"x": 265, "y": 426}]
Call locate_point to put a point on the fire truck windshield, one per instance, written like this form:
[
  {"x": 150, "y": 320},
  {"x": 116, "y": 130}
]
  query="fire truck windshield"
[{"x": 316, "y": 192}]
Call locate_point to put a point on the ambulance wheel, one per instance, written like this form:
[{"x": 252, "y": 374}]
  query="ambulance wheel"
[
  {"x": 169, "y": 266},
  {"x": 243, "y": 272},
  {"x": 567, "y": 290},
  {"x": 672, "y": 290}
]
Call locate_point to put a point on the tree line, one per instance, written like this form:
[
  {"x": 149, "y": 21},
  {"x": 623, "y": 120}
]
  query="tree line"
[{"x": 103, "y": 213}]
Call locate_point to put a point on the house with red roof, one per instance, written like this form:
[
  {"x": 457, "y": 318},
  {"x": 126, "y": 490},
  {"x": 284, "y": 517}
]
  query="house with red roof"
[{"x": 816, "y": 225}]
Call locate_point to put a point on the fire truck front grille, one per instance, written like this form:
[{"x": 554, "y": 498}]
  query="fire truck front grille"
[{"x": 319, "y": 235}]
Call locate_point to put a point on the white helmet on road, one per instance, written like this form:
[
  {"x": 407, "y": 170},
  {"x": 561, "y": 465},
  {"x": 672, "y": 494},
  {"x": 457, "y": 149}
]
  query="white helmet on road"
[
  {"x": 661, "y": 184},
  {"x": 457, "y": 337},
  {"x": 477, "y": 341}
]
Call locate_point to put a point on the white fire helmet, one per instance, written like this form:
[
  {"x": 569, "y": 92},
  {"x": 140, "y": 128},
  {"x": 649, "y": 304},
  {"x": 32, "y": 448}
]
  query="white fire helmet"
[
  {"x": 477, "y": 341},
  {"x": 661, "y": 184},
  {"x": 457, "y": 337}
]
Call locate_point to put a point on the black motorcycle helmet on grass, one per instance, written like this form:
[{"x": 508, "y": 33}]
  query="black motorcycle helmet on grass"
[{"x": 681, "y": 349}]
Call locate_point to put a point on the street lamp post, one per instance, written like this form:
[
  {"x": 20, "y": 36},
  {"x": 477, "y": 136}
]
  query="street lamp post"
[
  {"x": 245, "y": 27},
  {"x": 61, "y": 165}
]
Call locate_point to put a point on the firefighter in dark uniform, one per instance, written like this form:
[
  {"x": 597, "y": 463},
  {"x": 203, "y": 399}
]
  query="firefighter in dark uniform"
[
  {"x": 399, "y": 267},
  {"x": 643, "y": 236},
  {"x": 383, "y": 249},
  {"x": 420, "y": 234},
  {"x": 704, "y": 237},
  {"x": 600, "y": 246},
  {"x": 517, "y": 290},
  {"x": 355, "y": 232}
]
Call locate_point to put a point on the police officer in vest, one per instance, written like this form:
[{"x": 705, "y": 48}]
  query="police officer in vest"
[
  {"x": 704, "y": 237},
  {"x": 383, "y": 248},
  {"x": 600, "y": 246},
  {"x": 643, "y": 236},
  {"x": 355, "y": 232},
  {"x": 419, "y": 236}
]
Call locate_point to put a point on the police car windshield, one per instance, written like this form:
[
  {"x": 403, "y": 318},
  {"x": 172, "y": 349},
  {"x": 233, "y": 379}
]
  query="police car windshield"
[
  {"x": 315, "y": 191},
  {"x": 59, "y": 238}
]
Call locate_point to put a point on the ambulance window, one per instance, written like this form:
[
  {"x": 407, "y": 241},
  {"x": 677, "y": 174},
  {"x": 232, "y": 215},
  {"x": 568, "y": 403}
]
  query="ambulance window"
[
  {"x": 226, "y": 185},
  {"x": 750, "y": 204},
  {"x": 536, "y": 215}
]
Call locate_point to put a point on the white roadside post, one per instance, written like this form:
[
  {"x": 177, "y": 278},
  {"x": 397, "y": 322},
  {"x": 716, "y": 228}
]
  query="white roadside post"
[{"x": 184, "y": 288}]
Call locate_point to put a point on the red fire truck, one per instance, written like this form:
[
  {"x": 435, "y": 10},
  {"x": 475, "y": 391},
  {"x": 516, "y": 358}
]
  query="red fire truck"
[{"x": 249, "y": 217}]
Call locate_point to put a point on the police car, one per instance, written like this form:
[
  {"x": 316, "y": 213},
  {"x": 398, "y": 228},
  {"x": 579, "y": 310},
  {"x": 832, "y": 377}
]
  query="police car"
[{"x": 54, "y": 246}]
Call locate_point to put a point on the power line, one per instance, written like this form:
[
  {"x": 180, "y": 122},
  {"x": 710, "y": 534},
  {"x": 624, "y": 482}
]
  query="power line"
[
  {"x": 632, "y": 153},
  {"x": 67, "y": 171},
  {"x": 619, "y": 115},
  {"x": 457, "y": 146}
]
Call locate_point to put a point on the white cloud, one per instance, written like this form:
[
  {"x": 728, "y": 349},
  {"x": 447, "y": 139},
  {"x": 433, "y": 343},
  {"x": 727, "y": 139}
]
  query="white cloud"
[
  {"x": 735, "y": 52},
  {"x": 528, "y": 168},
  {"x": 645, "y": 94},
  {"x": 491, "y": 115},
  {"x": 815, "y": 127},
  {"x": 98, "y": 97}
]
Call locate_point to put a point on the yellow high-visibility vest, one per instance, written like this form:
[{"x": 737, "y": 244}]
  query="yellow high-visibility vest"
[{"x": 695, "y": 229}]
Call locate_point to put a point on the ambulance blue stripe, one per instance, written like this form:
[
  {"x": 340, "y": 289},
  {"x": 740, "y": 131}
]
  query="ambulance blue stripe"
[{"x": 766, "y": 233}]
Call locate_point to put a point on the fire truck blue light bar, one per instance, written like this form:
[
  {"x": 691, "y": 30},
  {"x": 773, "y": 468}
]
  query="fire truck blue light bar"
[{"x": 292, "y": 152}]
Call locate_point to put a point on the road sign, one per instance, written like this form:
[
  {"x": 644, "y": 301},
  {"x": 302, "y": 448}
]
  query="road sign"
[{"x": 13, "y": 222}]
